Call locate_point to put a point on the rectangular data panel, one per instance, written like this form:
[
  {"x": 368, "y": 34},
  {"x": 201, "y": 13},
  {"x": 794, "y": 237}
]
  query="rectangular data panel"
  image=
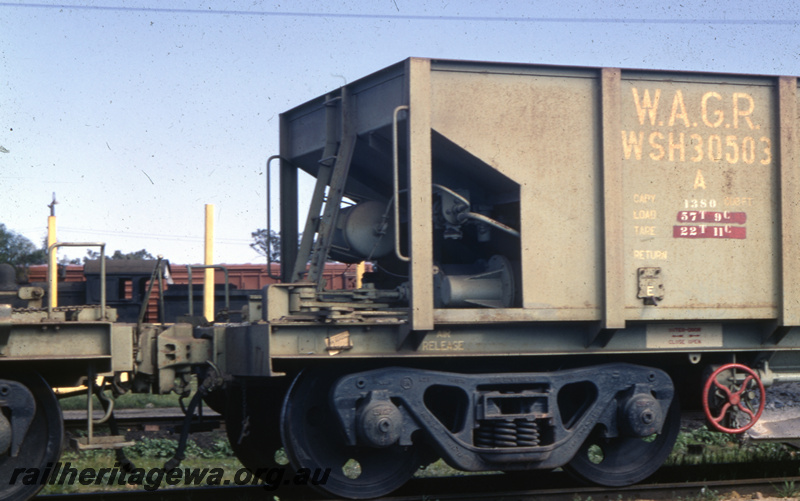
[{"x": 700, "y": 169}]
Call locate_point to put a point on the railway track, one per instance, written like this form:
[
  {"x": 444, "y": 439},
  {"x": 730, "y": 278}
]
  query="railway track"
[
  {"x": 695, "y": 482},
  {"x": 686, "y": 482}
]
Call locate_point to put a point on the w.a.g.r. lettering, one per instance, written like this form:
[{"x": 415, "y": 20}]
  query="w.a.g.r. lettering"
[
  {"x": 674, "y": 126},
  {"x": 733, "y": 111}
]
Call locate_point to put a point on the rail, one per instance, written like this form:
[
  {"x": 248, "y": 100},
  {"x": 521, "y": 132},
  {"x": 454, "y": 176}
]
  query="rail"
[{"x": 475, "y": 487}]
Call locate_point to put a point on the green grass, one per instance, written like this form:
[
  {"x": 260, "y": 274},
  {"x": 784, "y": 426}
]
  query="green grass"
[
  {"x": 787, "y": 490},
  {"x": 717, "y": 447},
  {"x": 126, "y": 401},
  {"x": 148, "y": 454},
  {"x": 165, "y": 448}
]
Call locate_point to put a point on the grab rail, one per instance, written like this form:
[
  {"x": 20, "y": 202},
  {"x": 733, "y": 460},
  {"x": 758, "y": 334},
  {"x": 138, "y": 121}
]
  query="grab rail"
[
  {"x": 189, "y": 268},
  {"x": 395, "y": 183}
]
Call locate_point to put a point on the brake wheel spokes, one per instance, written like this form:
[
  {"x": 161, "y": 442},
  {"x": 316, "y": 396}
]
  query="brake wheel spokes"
[{"x": 731, "y": 399}]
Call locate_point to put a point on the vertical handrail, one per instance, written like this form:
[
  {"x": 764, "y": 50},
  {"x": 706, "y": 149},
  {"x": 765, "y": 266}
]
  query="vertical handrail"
[
  {"x": 52, "y": 249},
  {"x": 91, "y": 376},
  {"x": 395, "y": 184},
  {"x": 146, "y": 299},
  {"x": 161, "y": 298},
  {"x": 269, "y": 217},
  {"x": 189, "y": 269}
]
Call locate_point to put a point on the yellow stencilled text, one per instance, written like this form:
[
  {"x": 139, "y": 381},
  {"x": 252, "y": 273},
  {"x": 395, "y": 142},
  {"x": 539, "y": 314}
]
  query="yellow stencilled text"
[{"x": 695, "y": 134}]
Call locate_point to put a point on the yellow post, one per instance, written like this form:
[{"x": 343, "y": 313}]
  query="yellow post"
[
  {"x": 360, "y": 268},
  {"x": 53, "y": 261},
  {"x": 208, "y": 278}
]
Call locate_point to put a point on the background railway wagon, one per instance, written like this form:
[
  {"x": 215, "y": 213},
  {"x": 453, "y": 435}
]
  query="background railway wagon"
[{"x": 127, "y": 281}]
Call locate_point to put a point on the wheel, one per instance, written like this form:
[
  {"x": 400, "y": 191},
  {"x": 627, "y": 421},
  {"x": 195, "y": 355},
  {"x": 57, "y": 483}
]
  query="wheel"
[
  {"x": 216, "y": 401},
  {"x": 739, "y": 404},
  {"x": 41, "y": 444},
  {"x": 313, "y": 440},
  {"x": 615, "y": 462},
  {"x": 252, "y": 421}
]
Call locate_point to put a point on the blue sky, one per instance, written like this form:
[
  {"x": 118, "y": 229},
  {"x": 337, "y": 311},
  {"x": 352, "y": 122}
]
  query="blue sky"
[{"x": 138, "y": 113}]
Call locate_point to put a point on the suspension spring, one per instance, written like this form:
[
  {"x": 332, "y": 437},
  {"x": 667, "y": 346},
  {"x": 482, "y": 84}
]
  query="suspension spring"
[
  {"x": 527, "y": 433},
  {"x": 507, "y": 433}
]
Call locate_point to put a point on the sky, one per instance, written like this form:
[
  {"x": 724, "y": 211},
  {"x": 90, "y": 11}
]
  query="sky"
[{"x": 138, "y": 113}]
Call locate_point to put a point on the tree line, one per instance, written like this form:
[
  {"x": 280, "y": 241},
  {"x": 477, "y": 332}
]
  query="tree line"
[{"x": 20, "y": 252}]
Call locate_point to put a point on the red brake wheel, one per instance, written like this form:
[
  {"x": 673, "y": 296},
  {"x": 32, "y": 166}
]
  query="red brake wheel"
[{"x": 734, "y": 399}]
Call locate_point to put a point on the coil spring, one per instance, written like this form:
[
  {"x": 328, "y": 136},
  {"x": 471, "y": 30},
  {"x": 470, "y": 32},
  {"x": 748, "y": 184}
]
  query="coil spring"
[
  {"x": 527, "y": 433},
  {"x": 517, "y": 433}
]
